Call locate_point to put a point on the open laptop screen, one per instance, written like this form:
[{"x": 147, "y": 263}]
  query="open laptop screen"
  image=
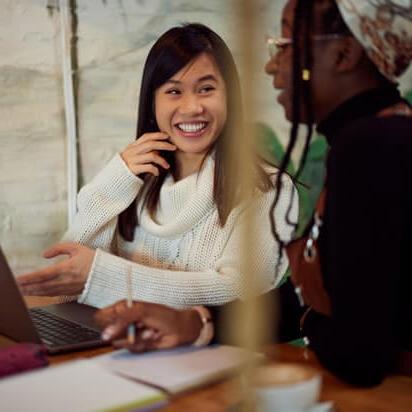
[{"x": 15, "y": 321}]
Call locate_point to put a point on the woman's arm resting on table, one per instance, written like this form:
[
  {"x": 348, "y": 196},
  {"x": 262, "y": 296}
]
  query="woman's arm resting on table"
[{"x": 160, "y": 327}]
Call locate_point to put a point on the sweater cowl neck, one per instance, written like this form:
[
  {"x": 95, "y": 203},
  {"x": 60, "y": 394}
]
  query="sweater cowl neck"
[{"x": 182, "y": 204}]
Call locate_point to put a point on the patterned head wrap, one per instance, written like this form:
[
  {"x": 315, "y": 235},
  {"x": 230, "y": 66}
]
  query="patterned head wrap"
[{"x": 384, "y": 29}]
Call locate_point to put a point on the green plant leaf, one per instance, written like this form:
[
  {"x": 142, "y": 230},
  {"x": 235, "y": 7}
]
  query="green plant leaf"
[
  {"x": 408, "y": 96},
  {"x": 311, "y": 180},
  {"x": 270, "y": 147}
]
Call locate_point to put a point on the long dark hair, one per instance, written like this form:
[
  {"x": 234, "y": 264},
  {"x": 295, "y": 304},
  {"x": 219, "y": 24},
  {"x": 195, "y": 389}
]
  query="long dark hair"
[
  {"x": 172, "y": 51},
  {"x": 329, "y": 20}
]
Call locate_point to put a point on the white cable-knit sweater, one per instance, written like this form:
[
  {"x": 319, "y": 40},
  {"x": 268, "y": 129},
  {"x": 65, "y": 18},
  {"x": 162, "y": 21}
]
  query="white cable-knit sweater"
[{"x": 182, "y": 257}]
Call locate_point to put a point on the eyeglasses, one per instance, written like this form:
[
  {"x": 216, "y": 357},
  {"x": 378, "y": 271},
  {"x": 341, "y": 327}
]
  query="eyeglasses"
[{"x": 277, "y": 44}]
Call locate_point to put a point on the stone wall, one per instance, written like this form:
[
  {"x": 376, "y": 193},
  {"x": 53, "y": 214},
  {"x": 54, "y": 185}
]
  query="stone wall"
[{"x": 32, "y": 152}]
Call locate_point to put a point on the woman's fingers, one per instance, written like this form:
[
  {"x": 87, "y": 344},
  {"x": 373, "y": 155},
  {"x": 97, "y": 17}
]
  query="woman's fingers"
[
  {"x": 146, "y": 163},
  {"x": 114, "y": 330},
  {"x": 46, "y": 289},
  {"x": 142, "y": 156},
  {"x": 147, "y": 168},
  {"x": 157, "y": 326},
  {"x": 150, "y": 146},
  {"x": 64, "y": 278},
  {"x": 151, "y": 136},
  {"x": 106, "y": 316},
  {"x": 152, "y": 157},
  {"x": 40, "y": 276},
  {"x": 118, "y": 329},
  {"x": 57, "y": 285},
  {"x": 145, "y": 340},
  {"x": 119, "y": 311},
  {"x": 61, "y": 249},
  {"x": 118, "y": 316}
]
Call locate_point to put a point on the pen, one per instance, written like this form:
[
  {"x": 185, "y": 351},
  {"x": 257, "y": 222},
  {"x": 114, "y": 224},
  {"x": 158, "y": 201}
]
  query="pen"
[{"x": 131, "y": 329}]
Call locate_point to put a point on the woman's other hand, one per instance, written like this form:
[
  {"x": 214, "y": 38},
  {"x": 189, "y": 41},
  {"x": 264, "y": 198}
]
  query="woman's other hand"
[
  {"x": 64, "y": 278},
  {"x": 142, "y": 156},
  {"x": 157, "y": 326}
]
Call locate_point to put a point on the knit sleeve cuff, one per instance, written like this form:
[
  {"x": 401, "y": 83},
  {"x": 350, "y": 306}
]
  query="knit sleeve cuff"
[{"x": 106, "y": 282}]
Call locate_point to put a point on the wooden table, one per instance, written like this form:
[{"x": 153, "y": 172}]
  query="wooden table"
[{"x": 393, "y": 395}]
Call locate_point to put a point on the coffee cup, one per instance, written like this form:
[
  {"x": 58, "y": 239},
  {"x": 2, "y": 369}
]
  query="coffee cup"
[{"x": 286, "y": 387}]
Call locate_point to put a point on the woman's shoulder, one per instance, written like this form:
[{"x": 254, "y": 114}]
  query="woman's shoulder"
[
  {"x": 369, "y": 146},
  {"x": 377, "y": 130}
]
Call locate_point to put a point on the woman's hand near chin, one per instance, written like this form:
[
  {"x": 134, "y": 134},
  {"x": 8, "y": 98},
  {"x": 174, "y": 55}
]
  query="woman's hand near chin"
[
  {"x": 157, "y": 326},
  {"x": 64, "y": 278},
  {"x": 142, "y": 156}
]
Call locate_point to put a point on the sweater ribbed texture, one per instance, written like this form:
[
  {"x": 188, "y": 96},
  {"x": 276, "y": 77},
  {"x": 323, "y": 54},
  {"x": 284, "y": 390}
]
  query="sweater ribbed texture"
[{"x": 181, "y": 257}]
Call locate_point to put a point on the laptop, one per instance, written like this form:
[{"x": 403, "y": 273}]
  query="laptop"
[{"x": 61, "y": 328}]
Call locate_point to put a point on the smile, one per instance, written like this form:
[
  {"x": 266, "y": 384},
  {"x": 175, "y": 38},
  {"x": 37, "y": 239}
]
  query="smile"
[{"x": 192, "y": 127}]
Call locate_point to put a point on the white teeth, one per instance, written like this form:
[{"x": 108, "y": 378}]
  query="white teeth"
[{"x": 192, "y": 127}]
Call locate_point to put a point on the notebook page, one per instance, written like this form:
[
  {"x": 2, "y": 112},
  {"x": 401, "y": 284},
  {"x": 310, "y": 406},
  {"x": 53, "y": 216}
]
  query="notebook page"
[
  {"x": 80, "y": 386},
  {"x": 179, "y": 369}
]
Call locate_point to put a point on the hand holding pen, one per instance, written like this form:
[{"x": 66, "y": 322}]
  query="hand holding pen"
[{"x": 156, "y": 326}]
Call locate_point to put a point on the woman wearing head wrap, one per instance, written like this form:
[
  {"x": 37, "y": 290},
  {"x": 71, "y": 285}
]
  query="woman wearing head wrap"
[{"x": 336, "y": 66}]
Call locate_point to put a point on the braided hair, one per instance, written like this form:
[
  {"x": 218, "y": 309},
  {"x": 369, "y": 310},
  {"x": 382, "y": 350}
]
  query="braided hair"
[{"x": 329, "y": 20}]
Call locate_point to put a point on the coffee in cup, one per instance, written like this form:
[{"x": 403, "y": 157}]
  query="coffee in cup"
[{"x": 286, "y": 387}]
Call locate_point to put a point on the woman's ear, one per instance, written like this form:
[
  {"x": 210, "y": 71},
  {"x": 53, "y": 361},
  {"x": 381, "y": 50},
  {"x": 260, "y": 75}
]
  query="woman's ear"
[{"x": 349, "y": 55}]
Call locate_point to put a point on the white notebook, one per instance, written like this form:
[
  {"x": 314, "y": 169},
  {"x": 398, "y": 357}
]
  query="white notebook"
[
  {"x": 81, "y": 386},
  {"x": 180, "y": 369}
]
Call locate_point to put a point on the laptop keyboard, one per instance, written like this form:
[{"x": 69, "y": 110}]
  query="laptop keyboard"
[{"x": 56, "y": 331}]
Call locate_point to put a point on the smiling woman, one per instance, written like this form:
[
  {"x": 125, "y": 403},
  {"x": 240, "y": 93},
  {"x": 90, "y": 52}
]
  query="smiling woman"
[{"x": 167, "y": 208}]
